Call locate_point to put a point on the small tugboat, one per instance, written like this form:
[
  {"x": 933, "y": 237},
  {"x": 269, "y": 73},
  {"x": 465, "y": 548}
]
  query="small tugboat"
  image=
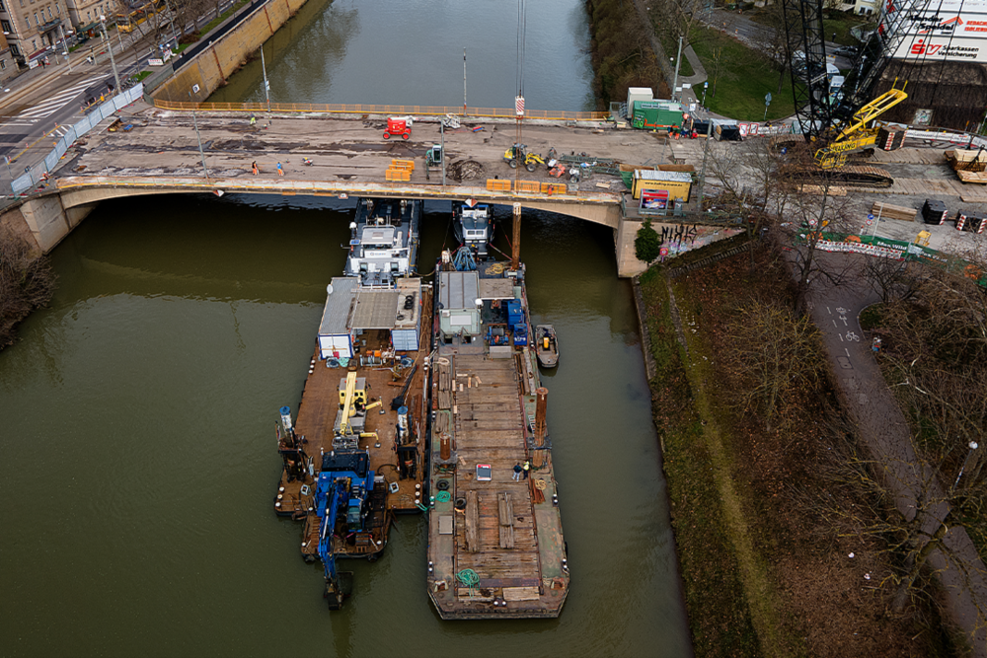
[
  {"x": 473, "y": 227},
  {"x": 356, "y": 453},
  {"x": 384, "y": 240},
  {"x": 547, "y": 347}
]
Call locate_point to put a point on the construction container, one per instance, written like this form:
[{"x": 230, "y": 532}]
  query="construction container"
[
  {"x": 971, "y": 220},
  {"x": 636, "y": 94},
  {"x": 656, "y": 114},
  {"x": 677, "y": 184},
  {"x": 934, "y": 211}
]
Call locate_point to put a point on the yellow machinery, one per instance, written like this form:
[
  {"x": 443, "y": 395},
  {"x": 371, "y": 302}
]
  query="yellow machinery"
[
  {"x": 857, "y": 135},
  {"x": 349, "y": 397}
]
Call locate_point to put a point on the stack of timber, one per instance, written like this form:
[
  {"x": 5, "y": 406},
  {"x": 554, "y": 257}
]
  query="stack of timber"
[
  {"x": 888, "y": 211},
  {"x": 970, "y": 164},
  {"x": 495, "y": 543}
]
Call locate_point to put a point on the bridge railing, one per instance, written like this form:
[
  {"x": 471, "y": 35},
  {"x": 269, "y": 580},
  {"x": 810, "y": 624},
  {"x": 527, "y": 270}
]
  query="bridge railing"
[
  {"x": 33, "y": 176},
  {"x": 352, "y": 108}
]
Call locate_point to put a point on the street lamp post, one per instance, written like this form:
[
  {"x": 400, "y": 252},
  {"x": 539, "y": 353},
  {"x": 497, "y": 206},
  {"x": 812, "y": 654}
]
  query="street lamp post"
[
  {"x": 267, "y": 85},
  {"x": 973, "y": 445},
  {"x": 109, "y": 47},
  {"x": 678, "y": 62},
  {"x": 195, "y": 124},
  {"x": 68, "y": 57}
]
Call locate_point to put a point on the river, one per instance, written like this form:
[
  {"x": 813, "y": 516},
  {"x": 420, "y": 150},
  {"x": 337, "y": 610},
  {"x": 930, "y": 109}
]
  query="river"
[
  {"x": 138, "y": 457},
  {"x": 411, "y": 53}
]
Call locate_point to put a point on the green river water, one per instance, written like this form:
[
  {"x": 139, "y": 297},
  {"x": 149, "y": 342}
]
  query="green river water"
[{"x": 138, "y": 457}]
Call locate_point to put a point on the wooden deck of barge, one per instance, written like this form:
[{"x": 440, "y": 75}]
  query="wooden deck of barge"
[
  {"x": 509, "y": 533},
  {"x": 315, "y": 422}
]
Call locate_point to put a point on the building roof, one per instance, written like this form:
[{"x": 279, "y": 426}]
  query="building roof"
[
  {"x": 459, "y": 290},
  {"x": 335, "y": 315},
  {"x": 667, "y": 176}
]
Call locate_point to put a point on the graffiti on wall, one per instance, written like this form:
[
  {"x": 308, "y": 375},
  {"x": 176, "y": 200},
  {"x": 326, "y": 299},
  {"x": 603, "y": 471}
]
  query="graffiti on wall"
[{"x": 680, "y": 238}]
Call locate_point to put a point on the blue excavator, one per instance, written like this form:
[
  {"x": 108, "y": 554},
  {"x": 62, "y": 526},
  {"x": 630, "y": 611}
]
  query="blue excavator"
[{"x": 342, "y": 503}]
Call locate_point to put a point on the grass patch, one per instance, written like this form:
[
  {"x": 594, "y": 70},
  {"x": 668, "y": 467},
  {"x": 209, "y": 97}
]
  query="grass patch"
[
  {"x": 719, "y": 619},
  {"x": 839, "y": 25},
  {"x": 142, "y": 75},
  {"x": 871, "y": 317},
  {"x": 222, "y": 17},
  {"x": 741, "y": 77},
  {"x": 671, "y": 46},
  {"x": 181, "y": 47}
]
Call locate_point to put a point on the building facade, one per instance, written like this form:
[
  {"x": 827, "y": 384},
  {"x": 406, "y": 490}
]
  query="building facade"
[
  {"x": 31, "y": 26},
  {"x": 8, "y": 67},
  {"x": 84, "y": 15}
]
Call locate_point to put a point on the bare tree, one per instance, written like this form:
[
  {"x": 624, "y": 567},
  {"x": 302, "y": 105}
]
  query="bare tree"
[
  {"x": 892, "y": 279},
  {"x": 776, "y": 352}
]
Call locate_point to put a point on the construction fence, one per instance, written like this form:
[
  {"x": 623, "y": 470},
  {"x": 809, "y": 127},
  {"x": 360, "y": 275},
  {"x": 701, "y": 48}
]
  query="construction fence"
[
  {"x": 899, "y": 250},
  {"x": 383, "y": 110},
  {"x": 35, "y": 175}
]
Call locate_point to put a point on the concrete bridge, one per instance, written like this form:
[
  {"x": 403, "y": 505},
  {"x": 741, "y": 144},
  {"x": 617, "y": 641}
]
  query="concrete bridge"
[{"x": 160, "y": 155}]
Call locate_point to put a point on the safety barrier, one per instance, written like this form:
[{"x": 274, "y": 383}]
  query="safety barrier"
[
  {"x": 351, "y": 108},
  {"x": 529, "y": 186},
  {"x": 35, "y": 175},
  {"x": 498, "y": 185},
  {"x": 898, "y": 250}
]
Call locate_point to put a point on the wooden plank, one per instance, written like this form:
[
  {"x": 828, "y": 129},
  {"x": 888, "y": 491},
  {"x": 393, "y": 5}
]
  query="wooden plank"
[
  {"x": 888, "y": 211},
  {"x": 505, "y": 513},
  {"x": 521, "y": 593},
  {"x": 472, "y": 524}
]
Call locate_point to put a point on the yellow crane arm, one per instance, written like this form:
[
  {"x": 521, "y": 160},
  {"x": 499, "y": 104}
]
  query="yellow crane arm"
[
  {"x": 872, "y": 110},
  {"x": 344, "y": 419}
]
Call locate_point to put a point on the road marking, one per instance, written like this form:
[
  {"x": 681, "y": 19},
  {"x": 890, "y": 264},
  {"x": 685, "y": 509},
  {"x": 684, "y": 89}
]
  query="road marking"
[
  {"x": 829, "y": 311},
  {"x": 850, "y": 336},
  {"x": 841, "y": 337},
  {"x": 54, "y": 103},
  {"x": 847, "y": 351}
]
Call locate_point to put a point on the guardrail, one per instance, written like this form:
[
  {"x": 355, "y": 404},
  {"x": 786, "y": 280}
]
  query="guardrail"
[
  {"x": 349, "y": 108},
  {"x": 35, "y": 175},
  {"x": 160, "y": 184}
]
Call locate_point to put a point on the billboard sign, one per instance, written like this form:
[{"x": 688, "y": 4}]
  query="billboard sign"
[{"x": 931, "y": 31}]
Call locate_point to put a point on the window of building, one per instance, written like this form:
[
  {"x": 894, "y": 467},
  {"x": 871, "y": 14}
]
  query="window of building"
[
  {"x": 5, "y": 25},
  {"x": 3, "y": 64},
  {"x": 49, "y": 13},
  {"x": 14, "y": 50},
  {"x": 34, "y": 45}
]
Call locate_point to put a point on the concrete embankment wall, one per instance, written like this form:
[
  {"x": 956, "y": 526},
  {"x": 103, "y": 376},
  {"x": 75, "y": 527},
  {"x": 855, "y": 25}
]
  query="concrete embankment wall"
[{"x": 210, "y": 68}]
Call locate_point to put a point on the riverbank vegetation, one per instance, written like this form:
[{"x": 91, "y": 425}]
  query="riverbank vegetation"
[
  {"x": 26, "y": 283},
  {"x": 756, "y": 460},
  {"x": 933, "y": 331},
  {"x": 621, "y": 52}
]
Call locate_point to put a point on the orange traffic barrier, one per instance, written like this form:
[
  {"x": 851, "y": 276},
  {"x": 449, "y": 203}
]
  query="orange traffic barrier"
[
  {"x": 498, "y": 185},
  {"x": 403, "y": 164},
  {"x": 527, "y": 186},
  {"x": 553, "y": 188}
]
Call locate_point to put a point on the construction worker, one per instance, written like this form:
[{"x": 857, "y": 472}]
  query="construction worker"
[
  {"x": 517, "y": 473},
  {"x": 526, "y": 468}
]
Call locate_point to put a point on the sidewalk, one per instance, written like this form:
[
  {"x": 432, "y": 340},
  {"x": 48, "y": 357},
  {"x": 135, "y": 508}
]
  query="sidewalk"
[{"x": 883, "y": 429}]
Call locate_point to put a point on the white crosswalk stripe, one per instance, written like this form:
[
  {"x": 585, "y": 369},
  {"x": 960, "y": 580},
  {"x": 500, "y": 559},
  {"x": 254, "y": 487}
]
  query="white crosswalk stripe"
[{"x": 54, "y": 103}]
